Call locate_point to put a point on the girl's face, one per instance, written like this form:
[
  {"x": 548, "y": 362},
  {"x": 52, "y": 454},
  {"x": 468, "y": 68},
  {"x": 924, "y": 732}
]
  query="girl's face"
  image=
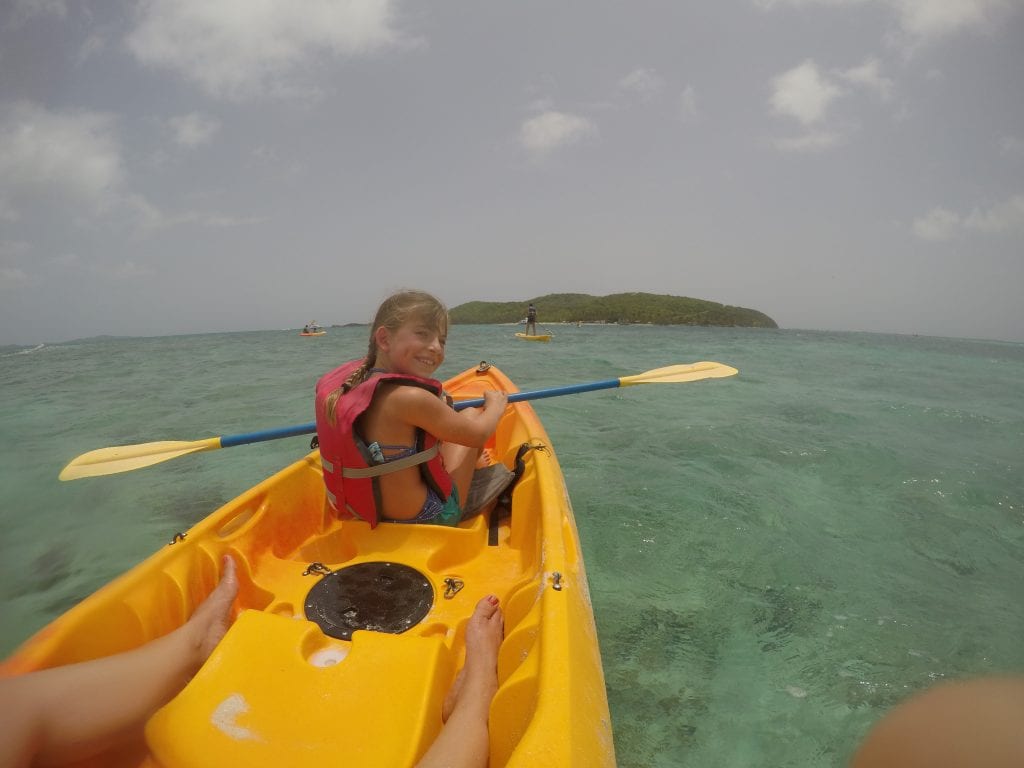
[{"x": 415, "y": 347}]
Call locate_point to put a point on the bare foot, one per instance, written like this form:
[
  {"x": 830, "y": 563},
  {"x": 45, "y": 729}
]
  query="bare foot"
[
  {"x": 210, "y": 621},
  {"x": 477, "y": 681}
]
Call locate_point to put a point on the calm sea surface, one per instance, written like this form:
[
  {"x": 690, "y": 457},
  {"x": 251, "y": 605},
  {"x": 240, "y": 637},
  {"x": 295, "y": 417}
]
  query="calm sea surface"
[{"x": 774, "y": 559}]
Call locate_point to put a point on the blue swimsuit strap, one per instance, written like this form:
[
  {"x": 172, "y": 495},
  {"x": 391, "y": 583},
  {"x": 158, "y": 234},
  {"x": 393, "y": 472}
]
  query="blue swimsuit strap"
[{"x": 402, "y": 451}]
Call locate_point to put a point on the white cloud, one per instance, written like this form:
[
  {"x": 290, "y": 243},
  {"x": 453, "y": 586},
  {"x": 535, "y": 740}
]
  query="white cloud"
[
  {"x": 937, "y": 225},
  {"x": 75, "y": 158},
  {"x": 251, "y": 47},
  {"x": 688, "y": 104},
  {"x": 94, "y": 44},
  {"x": 126, "y": 270},
  {"x": 812, "y": 141},
  {"x": 803, "y": 93},
  {"x": 66, "y": 260},
  {"x": 12, "y": 277},
  {"x": 646, "y": 84},
  {"x": 7, "y": 211},
  {"x": 1012, "y": 146},
  {"x": 550, "y": 130},
  {"x": 149, "y": 218},
  {"x": 75, "y": 154},
  {"x": 194, "y": 129},
  {"x": 542, "y": 104},
  {"x": 1007, "y": 216},
  {"x": 921, "y": 21},
  {"x": 11, "y": 251},
  {"x": 869, "y": 75},
  {"x": 941, "y": 224},
  {"x": 771, "y": 4},
  {"x": 27, "y": 8},
  {"x": 928, "y": 20}
]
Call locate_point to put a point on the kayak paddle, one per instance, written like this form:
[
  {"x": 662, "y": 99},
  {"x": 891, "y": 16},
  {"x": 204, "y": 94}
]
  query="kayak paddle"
[
  {"x": 672, "y": 374},
  {"x": 124, "y": 458}
]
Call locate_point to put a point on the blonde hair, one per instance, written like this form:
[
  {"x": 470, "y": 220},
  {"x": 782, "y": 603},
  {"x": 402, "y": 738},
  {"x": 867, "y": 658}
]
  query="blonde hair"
[{"x": 395, "y": 311}]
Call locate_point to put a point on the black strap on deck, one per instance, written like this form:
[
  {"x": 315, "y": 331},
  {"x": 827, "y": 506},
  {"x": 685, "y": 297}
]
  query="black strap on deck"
[{"x": 503, "y": 506}]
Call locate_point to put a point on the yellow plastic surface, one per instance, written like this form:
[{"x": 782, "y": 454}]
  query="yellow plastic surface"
[{"x": 278, "y": 692}]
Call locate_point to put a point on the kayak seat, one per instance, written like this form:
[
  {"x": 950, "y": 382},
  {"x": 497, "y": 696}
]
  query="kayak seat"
[{"x": 487, "y": 484}]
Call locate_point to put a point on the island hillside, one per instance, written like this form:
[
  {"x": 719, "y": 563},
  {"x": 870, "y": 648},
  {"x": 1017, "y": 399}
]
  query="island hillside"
[{"x": 651, "y": 308}]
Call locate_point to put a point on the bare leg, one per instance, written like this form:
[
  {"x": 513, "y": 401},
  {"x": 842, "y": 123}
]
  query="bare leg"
[
  {"x": 69, "y": 713},
  {"x": 463, "y": 741},
  {"x": 966, "y": 724},
  {"x": 460, "y": 463}
]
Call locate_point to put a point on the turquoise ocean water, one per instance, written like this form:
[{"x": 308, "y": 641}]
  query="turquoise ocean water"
[{"x": 774, "y": 559}]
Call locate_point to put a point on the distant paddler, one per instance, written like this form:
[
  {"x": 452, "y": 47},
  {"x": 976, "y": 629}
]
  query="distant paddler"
[{"x": 531, "y": 320}]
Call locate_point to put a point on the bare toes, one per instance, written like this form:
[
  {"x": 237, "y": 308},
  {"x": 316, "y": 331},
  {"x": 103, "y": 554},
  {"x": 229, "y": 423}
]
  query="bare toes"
[
  {"x": 485, "y": 608},
  {"x": 211, "y": 619}
]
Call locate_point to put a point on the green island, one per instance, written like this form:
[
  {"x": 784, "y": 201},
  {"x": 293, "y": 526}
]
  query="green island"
[{"x": 622, "y": 308}]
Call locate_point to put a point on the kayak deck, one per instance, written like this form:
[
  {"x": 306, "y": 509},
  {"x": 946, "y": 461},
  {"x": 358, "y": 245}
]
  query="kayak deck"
[
  {"x": 401, "y": 679},
  {"x": 277, "y": 689}
]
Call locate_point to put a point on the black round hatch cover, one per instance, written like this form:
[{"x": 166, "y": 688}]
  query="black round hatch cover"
[{"x": 382, "y": 597}]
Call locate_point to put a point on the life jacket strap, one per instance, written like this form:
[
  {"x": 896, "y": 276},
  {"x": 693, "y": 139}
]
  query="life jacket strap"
[{"x": 392, "y": 466}]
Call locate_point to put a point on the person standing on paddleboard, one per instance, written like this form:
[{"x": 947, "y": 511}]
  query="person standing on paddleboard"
[{"x": 531, "y": 320}]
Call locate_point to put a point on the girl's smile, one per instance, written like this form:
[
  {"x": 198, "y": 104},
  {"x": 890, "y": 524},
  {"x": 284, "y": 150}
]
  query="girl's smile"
[{"x": 413, "y": 348}]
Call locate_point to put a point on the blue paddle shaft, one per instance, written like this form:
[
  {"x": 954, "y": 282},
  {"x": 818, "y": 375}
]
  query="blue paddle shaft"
[
  {"x": 540, "y": 394},
  {"x": 230, "y": 441}
]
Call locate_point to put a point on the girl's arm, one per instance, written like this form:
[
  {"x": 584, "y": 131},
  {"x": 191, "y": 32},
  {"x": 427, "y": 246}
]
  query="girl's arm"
[{"x": 470, "y": 427}]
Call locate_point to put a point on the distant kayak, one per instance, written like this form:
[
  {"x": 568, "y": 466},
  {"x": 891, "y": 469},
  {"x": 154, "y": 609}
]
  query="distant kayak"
[
  {"x": 312, "y": 333},
  {"x": 539, "y": 337}
]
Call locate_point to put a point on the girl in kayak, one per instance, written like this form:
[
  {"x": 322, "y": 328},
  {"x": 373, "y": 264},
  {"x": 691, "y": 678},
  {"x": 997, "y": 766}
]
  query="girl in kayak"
[{"x": 391, "y": 447}]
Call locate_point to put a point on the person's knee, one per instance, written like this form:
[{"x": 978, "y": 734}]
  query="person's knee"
[{"x": 977, "y": 723}]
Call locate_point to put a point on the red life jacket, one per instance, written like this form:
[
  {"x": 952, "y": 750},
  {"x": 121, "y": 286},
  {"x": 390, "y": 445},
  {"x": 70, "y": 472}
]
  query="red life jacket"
[{"x": 350, "y": 472}]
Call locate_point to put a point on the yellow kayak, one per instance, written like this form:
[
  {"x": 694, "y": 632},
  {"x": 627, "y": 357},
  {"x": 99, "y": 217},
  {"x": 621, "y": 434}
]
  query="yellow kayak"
[
  {"x": 280, "y": 691},
  {"x": 312, "y": 333},
  {"x": 532, "y": 337}
]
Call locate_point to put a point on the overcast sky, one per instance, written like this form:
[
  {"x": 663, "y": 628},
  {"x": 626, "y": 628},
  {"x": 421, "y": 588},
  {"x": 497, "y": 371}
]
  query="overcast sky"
[{"x": 176, "y": 166}]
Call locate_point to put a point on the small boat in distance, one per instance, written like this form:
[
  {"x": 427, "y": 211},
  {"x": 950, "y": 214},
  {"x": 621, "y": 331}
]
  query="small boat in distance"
[{"x": 312, "y": 329}]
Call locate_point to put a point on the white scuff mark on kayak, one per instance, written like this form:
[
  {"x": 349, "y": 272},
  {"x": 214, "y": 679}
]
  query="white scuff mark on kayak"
[
  {"x": 223, "y": 718},
  {"x": 328, "y": 657},
  {"x": 796, "y": 692}
]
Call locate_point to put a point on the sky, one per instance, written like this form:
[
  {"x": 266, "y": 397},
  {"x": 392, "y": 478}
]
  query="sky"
[{"x": 185, "y": 166}]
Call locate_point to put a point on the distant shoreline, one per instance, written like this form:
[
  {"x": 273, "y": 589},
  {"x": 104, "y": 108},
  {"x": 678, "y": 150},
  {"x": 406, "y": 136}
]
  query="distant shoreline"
[
  {"x": 614, "y": 309},
  {"x": 7, "y": 350}
]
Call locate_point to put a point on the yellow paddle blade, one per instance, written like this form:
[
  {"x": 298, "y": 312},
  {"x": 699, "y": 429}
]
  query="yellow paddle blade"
[
  {"x": 673, "y": 374},
  {"x": 124, "y": 458}
]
